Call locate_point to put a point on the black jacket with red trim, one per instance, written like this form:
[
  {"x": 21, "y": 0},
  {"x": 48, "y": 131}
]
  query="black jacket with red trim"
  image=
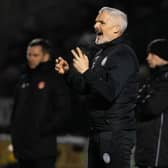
[{"x": 41, "y": 104}]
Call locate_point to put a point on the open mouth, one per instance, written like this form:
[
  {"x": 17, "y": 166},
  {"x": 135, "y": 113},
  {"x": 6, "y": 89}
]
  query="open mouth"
[{"x": 99, "y": 34}]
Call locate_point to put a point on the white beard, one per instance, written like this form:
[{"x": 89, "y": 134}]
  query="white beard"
[{"x": 101, "y": 40}]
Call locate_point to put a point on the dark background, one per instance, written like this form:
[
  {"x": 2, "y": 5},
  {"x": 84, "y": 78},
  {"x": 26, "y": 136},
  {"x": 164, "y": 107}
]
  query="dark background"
[{"x": 67, "y": 23}]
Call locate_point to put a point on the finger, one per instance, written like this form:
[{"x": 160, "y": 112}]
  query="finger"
[
  {"x": 58, "y": 65},
  {"x": 61, "y": 72},
  {"x": 75, "y": 60},
  {"x": 58, "y": 59},
  {"x": 62, "y": 61},
  {"x": 85, "y": 56},
  {"x": 74, "y": 53},
  {"x": 75, "y": 65},
  {"x": 57, "y": 69},
  {"x": 79, "y": 51}
]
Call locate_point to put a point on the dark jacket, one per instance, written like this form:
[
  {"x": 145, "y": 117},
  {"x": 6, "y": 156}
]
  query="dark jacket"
[
  {"x": 40, "y": 105},
  {"x": 152, "y": 120},
  {"x": 110, "y": 86}
]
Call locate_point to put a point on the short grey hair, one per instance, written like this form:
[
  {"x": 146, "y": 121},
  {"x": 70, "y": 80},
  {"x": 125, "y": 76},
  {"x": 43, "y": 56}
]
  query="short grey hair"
[{"x": 117, "y": 13}]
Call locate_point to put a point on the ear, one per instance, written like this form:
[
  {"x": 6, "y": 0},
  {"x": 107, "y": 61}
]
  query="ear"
[{"x": 116, "y": 29}]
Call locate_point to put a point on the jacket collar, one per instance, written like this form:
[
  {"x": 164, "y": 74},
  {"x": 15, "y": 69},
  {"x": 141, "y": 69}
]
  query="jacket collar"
[
  {"x": 160, "y": 72},
  {"x": 45, "y": 66}
]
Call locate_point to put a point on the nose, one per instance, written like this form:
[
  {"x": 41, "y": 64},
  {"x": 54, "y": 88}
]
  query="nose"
[{"x": 96, "y": 25}]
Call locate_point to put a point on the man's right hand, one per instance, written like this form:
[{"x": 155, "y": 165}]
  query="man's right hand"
[{"x": 61, "y": 66}]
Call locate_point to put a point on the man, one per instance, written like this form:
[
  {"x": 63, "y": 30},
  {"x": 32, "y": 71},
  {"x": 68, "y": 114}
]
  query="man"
[
  {"x": 152, "y": 110},
  {"x": 39, "y": 109},
  {"x": 110, "y": 84}
]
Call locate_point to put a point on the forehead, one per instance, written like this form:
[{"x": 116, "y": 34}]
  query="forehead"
[
  {"x": 103, "y": 16},
  {"x": 36, "y": 48}
]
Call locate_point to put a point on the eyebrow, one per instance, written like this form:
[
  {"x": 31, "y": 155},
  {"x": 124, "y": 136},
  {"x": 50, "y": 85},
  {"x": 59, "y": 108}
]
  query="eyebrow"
[{"x": 100, "y": 21}]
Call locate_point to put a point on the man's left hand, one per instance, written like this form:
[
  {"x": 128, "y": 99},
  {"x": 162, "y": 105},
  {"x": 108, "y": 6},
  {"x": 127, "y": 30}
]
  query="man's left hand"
[{"x": 80, "y": 60}]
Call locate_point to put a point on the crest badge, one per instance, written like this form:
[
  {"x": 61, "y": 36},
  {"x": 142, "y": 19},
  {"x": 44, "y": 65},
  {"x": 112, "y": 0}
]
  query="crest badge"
[
  {"x": 106, "y": 158},
  {"x": 41, "y": 85}
]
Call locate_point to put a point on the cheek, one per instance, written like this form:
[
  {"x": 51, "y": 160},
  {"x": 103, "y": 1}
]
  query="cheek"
[
  {"x": 155, "y": 60},
  {"x": 29, "y": 58},
  {"x": 109, "y": 32},
  {"x": 37, "y": 60},
  {"x": 105, "y": 30}
]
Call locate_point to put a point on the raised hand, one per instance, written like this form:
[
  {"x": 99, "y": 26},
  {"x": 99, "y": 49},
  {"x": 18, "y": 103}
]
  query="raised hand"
[
  {"x": 61, "y": 66},
  {"x": 80, "y": 60}
]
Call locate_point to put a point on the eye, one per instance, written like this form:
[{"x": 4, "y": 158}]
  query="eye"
[
  {"x": 102, "y": 22},
  {"x": 35, "y": 55}
]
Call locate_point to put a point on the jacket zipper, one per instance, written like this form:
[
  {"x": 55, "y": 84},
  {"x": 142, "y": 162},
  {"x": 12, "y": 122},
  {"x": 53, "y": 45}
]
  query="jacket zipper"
[{"x": 159, "y": 140}]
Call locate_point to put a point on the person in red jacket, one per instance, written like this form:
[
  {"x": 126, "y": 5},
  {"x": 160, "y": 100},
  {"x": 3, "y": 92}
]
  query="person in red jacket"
[{"x": 40, "y": 108}]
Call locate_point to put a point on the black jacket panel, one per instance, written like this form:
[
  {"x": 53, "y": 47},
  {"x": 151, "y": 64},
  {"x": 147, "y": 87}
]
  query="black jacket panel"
[
  {"x": 110, "y": 85},
  {"x": 41, "y": 103},
  {"x": 152, "y": 120}
]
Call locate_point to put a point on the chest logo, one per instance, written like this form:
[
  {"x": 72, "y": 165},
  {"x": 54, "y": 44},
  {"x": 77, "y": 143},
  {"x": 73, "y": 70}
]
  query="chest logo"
[
  {"x": 41, "y": 85},
  {"x": 106, "y": 158},
  {"x": 24, "y": 85}
]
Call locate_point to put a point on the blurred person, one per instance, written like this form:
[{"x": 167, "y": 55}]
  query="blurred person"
[
  {"x": 39, "y": 108},
  {"x": 109, "y": 82},
  {"x": 152, "y": 110}
]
